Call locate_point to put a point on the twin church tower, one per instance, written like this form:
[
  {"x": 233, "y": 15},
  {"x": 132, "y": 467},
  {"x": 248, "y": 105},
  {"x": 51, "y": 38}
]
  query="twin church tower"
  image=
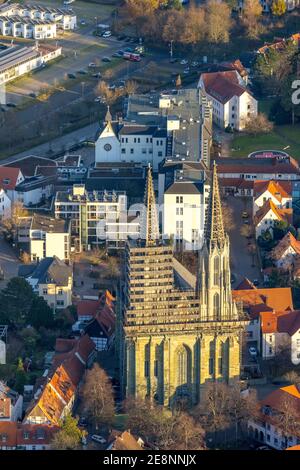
[{"x": 175, "y": 340}]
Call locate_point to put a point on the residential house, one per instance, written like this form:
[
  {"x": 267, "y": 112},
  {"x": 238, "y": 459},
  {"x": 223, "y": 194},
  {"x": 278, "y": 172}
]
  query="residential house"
[
  {"x": 56, "y": 395},
  {"x": 51, "y": 279},
  {"x": 46, "y": 236},
  {"x": 266, "y": 427},
  {"x": 279, "y": 192},
  {"x": 124, "y": 441},
  {"x": 237, "y": 175},
  {"x": 280, "y": 330},
  {"x": 286, "y": 252},
  {"x": 21, "y": 436},
  {"x": 11, "y": 404},
  {"x": 257, "y": 300},
  {"x": 97, "y": 319},
  {"x": 5, "y": 205},
  {"x": 232, "y": 104},
  {"x": 268, "y": 214}
]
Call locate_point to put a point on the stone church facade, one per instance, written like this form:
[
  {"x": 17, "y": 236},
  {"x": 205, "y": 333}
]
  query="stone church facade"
[{"x": 174, "y": 341}]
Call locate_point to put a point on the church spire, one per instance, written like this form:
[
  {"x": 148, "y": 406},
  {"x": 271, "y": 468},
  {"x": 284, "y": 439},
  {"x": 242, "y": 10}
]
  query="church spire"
[
  {"x": 108, "y": 116},
  {"x": 150, "y": 228},
  {"x": 214, "y": 228}
]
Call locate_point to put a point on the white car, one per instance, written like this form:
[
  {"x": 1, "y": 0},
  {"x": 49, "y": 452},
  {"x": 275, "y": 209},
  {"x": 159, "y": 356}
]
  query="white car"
[
  {"x": 184, "y": 62},
  {"x": 98, "y": 439},
  {"x": 92, "y": 65},
  {"x": 107, "y": 34},
  {"x": 98, "y": 99},
  {"x": 252, "y": 351},
  {"x": 186, "y": 71}
]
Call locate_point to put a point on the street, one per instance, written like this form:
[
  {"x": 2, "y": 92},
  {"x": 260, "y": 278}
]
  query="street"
[
  {"x": 241, "y": 260},
  {"x": 8, "y": 262}
]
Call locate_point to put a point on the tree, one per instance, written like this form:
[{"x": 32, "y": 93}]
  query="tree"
[
  {"x": 9, "y": 226},
  {"x": 98, "y": 397},
  {"x": 158, "y": 425},
  {"x": 278, "y": 7},
  {"x": 16, "y": 301},
  {"x": 212, "y": 412},
  {"x": 20, "y": 377},
  {"x": 252, "y": 11},
  {"x": 178, "y": 82},
  {"x": 218, "y": 21},
  {"x": 130, "y": 87},
  {"x": 258, "y": 125},
  {"x": 70, "y": 436},
  {"x": 25, "y": 257},
  {"x": 40, "y": 314},
  {"x": 30, "y": 338},
  {"x": 228, "y": 217},
  {"x": 287, "y": 417}
]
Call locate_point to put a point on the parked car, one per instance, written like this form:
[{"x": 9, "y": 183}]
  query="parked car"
[
  {"x": 245, "y": 215},
  {"x": 92, "y": 65},
  {"x": 99, "y": 439},
  {"x": 97, "y": 99},
  {"x": 121, "y": 38},
  {"x": 263, "y": 448},
  {"x": 252, "y": 351},
  {"x": 32, "y": 95},
  {"x": 194, "y": 63},
  {"x": 106, "y": 34},
  {"x": 173, "y": 60},
  {"x": 255, "y": 282},
  {"x": 106, "y": 59},
  {"x": 186, "y": 71},
  {"x": 11, "y": 105},
  {"x": 117, "y": 54},
  {"x": 71, "y": 75},
  {"x": 82, "y": 72},
  {"x": 96, "y": 75},
  {"x": 183, "y": 62}
]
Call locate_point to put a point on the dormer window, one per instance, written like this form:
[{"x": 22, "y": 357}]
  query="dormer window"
[{"x": 6, "y": 181}]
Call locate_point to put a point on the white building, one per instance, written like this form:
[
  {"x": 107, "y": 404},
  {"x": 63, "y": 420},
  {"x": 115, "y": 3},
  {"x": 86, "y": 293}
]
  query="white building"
[
  {"x": 130, "y": 143},
  {"x": 51, "y": 279},
  {"x": 232, "y": 103},
  {"x": 280, "y": 330},
  {"x": 97, "y": 217},
  {"x": 286, "y": 252},
  {"x": 183, "y": 212},
  {"x": 47, "y": 237},
  {"x": 268, "y": 214},
  {"x": 34, "y": 21},
  {"x": 266, "y": 428},
  {"x": 16, "y": 61},
  {"x": 279, "y": 192},
  {"x": 5, "y": 205},
  {"x": 267, "y": 5}
]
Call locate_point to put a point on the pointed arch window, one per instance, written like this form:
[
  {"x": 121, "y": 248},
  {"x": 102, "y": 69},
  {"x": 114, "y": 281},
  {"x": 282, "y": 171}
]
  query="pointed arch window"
[
  {"x": 217, "y": 306},
  {"x": 216, "y": 270}
]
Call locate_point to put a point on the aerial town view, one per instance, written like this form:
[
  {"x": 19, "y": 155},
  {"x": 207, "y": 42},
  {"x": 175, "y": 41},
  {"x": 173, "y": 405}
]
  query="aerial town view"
[{"x": 149, "y": 228}]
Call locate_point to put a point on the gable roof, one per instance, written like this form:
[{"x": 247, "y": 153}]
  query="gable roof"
[
  {"x": 222, "y": 85},
  {"x": 288, "y": 241},
  {"x": 277, "y": 298},
  {"x": 269, "y": 321},
  {"x": 9, "y": 177},
  {"x": 276, "y": 399},
  {"x": 280, "y": 214},
  {"x": 126, "y": 441},
  {"x": 22, "y": 434},
  {"x": 245, "y": 284},
  {"x": 52, "y": 271},
  {"x": 279, "y": 190}
]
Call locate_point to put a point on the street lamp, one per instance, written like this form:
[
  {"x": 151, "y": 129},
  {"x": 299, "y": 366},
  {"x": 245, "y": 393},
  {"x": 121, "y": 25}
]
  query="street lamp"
[{"x": 171, "y": 48}]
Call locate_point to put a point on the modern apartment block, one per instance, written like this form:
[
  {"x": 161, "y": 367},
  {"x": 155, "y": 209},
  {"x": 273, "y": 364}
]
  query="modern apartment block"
[{"x": 97, "y": 217}]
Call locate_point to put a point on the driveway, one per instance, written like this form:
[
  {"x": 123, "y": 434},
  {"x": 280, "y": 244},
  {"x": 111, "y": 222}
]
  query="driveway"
[
  {"x": 241, "y": 261},
  {"x": 8, "y": 262}
]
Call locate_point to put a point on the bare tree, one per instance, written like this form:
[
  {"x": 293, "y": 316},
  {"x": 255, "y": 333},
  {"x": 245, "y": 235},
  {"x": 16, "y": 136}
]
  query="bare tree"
[
  {"x": 259, "y": 124},
  {"x": 131, "y": 87},
  {"x": 252, "y": 12},
  {"x": 218, "y": 21},
  {"x": 228, "y": 217},
  {"x": 97, "y": 393}
]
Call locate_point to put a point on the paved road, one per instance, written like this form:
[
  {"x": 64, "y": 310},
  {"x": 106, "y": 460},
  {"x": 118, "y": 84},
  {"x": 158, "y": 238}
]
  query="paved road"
[
  {"x": 8, "y": 261},
  {"x": 56, "y": 145},
  {"x": 241, "y": 259}
]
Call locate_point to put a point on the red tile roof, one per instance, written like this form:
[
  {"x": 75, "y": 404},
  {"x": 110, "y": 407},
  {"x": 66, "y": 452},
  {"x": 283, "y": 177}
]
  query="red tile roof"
[
  {"x": 22, "y": 434},
  {"x": 279, "y": 190},
  {"x": 222, "y": 85},
  {"x": 281, "y": 214},
  {"x": 277, "y": 298},
  {"x": 288, "y": 241},
  {"x": 8, "y": 177}
]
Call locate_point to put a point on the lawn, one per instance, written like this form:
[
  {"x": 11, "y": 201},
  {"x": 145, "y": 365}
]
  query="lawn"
[{"x": 281, "y": 137}]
